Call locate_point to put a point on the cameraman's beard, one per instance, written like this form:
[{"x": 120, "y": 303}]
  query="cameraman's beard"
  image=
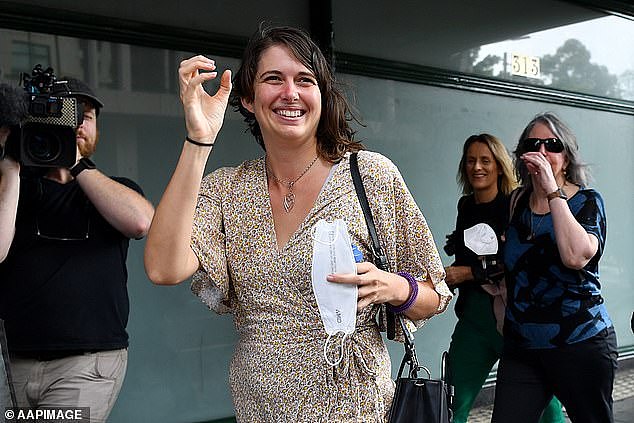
[{"x": 88, "y": 147}]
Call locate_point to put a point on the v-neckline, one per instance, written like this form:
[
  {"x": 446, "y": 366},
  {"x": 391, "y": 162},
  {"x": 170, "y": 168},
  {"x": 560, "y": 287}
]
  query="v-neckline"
[{"x": 270, "y": 221}]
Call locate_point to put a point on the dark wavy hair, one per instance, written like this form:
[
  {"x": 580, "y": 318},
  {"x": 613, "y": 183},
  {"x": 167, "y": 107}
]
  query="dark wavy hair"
[
  {"x": 576, "y": 171},
  {"x": 335, "y": 137},
  {"x": 506, "y": 181}
]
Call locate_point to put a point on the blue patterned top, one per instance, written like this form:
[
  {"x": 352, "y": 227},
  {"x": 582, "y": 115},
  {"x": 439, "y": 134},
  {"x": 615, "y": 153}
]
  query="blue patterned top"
[{"x": 549, "y": 304}]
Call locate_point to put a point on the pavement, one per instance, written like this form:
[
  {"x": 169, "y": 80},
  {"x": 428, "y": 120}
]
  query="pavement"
[
  {"x": 623, "y": 396},
  {"x": 624, "y": 410}
]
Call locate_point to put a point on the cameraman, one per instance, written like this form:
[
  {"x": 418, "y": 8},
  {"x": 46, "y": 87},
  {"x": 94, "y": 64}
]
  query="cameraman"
[{"x": 64, "y": 235}]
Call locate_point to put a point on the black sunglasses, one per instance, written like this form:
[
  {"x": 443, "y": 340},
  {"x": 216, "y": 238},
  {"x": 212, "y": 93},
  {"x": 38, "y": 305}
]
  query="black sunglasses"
[{"x": 553, "y": 145}]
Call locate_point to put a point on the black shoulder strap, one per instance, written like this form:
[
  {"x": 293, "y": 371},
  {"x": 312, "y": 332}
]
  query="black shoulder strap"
[
  {"x": 379, "y": 257},
  {"x": 380, "y": 260},
  {"x": 515, "y": 198}
]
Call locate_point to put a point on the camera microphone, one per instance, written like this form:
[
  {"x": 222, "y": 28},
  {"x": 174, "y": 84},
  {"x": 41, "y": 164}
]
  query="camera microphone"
[{"x": 14, "y": 105}]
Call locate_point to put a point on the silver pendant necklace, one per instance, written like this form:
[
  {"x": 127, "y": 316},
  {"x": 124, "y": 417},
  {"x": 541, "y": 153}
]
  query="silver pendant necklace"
[{"x": 289, "y": 198}]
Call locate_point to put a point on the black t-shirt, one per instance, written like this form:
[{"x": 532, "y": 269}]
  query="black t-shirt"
[
  {"x": 64, "y": 283},
  {"x": 495, "y": 214}
]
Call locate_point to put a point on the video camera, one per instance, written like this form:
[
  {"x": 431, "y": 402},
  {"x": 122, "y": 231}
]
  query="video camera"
[{"x": 46, "y": 136}]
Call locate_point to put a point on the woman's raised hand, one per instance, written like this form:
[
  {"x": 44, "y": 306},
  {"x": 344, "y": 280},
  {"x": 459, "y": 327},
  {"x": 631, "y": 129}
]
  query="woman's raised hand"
[
  {"x": 540, "y": 170},
  {"x": 204, "y": 114}
]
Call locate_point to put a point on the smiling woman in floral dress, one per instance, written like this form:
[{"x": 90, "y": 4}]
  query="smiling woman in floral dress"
[{"x": 245, "y": 234}]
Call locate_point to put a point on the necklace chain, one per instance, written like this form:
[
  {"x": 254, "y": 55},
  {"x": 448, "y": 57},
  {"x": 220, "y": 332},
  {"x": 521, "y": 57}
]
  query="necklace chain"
[
  {"x": 532, "y": 235},
  {"x": 289, "y": 198}
]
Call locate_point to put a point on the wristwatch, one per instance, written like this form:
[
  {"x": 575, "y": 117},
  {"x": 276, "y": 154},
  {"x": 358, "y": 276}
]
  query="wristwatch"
[
  {"x": 558, "y": 193},
  {"x": 83, "y": 164}
]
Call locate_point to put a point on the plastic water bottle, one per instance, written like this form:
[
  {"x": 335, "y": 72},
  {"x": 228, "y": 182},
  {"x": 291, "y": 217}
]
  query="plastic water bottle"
[{"x": 358, "y": 255}]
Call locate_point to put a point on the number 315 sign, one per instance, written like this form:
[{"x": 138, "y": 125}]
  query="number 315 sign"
[{"x": 522, "y": 65}]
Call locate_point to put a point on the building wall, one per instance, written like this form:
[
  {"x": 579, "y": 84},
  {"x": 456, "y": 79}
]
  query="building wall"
[{"x": 180, "y": 351}]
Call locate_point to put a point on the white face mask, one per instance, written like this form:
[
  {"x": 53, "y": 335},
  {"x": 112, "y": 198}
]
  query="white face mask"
[
  {"x": 332, "y": 253},
  {"x": 481, "y": 239}
]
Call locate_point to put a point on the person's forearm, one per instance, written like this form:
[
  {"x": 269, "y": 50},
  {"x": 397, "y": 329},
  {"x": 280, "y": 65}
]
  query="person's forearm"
[
  {"x": 9, "y": 196},
  {"x": 576, "y": 247},
  {"x": 426, "y": 304},
  {"x": 125, "y": 209},
  {"x": 169, "y": 258}
]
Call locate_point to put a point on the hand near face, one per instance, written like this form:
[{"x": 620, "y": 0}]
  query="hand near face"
[
  {"x": 204, "y": 114},
  {"x": 540, "y": 170},
  {"x": 546, "y": 167}
]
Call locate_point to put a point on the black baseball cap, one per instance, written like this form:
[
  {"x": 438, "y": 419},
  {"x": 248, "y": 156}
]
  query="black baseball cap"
[{"x": 73, "y": 87}]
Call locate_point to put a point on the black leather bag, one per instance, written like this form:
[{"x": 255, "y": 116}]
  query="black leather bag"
[
  {"x": 416, "y": 399},
  {"x": 420, "y": 399}
]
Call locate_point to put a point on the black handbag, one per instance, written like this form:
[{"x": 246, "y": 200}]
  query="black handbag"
[
  {"x": 420, "y": 399},
  {"x": 416, "y": 399}
]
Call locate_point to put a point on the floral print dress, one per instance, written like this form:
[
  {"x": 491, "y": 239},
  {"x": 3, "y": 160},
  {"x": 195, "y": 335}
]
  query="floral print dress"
[{"x": 278, "y": 371}]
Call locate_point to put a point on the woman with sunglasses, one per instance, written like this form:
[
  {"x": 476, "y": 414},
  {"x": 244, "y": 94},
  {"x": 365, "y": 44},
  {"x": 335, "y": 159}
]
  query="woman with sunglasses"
[{"x": 558, "y": 337}]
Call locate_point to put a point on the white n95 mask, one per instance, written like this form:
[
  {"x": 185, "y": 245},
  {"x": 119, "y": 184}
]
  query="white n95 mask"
[
  {"x": 481, "y": 239},
  {"x": 332, "y": 253}
]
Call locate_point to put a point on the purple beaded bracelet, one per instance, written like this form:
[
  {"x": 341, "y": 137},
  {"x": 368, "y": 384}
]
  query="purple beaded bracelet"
[{"x": 413, "y": 294}]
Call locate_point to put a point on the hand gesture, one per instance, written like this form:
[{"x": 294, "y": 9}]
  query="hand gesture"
[
  {"x": 204, "y": 114},
  {"x": 540, "y": 170},
  {"x": 375, "y": 285}
]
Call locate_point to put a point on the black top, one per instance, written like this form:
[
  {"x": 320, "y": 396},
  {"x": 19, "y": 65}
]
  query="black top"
[
  {"x": 495, "y": 214},
  {"x": 64, "y": 283}
]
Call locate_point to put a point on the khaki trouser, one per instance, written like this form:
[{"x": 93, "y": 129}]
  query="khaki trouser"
[
  {"x": 7, "y": 396},
  {"x": 90, "y": 380}
]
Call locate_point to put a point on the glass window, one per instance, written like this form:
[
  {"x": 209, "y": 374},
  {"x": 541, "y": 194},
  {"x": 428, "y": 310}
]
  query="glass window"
[
  {"x": 591, "y": 57},
  {"x": 118, "y": 68},
  {"x": 108, "y": 60},
  {"x": 142, "y": 131},
  {"x": 548, "y": 43},
  {"x": 24, "y": 53},
  {"x": 151, "y": 69}
]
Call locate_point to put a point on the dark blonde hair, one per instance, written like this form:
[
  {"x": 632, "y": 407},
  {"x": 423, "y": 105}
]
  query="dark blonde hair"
[
  {"x": 335, "y": 137},
  {"x": 506, "y": 181}
]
